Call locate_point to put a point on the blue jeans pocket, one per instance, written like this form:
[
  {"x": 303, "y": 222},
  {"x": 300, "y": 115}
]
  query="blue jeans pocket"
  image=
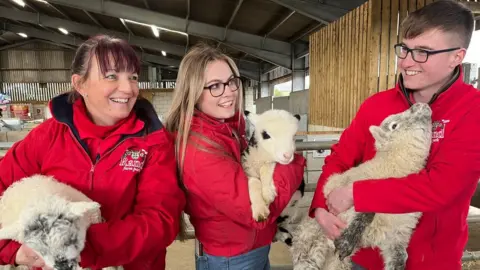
[{"x": 201, "y": 263}]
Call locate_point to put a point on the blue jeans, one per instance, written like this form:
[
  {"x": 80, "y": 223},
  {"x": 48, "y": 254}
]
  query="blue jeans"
[
  {"x": 357, "y": 267},
  {"x": 256, "y": 259}
]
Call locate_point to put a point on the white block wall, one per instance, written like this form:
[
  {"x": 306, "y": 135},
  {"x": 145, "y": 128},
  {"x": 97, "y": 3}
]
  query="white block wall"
[
  {"x": 162, "y": 102},
  {"x": 249, "y": 103}
]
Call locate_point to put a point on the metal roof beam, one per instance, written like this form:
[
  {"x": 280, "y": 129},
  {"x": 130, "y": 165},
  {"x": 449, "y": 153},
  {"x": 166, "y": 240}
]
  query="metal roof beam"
[
  {"x": 92, "y": 18},
  {"x": 316, "y": 11},
  {"x": 33, "y": 32},
  {"x": 89, "y": 30},
  {"x": 276, "y": 26},
  {"x": 306, "y": 31},
  {"x": 267, "y": 56},
  {"x": 234, "y": 38},
  {"x": 17, "y": 44},
  {"x": 232, "y": 18},
  {"x": 59, "y": 38}
]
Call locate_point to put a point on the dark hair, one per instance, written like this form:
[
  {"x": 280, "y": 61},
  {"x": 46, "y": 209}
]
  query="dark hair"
[
  {"x": 446, "y": 15},
  {"x": 104, "y": 47}
]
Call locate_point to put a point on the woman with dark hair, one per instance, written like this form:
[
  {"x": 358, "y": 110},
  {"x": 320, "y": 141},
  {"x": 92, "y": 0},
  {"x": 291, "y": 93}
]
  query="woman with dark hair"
[{"x": 107, "y": 142}]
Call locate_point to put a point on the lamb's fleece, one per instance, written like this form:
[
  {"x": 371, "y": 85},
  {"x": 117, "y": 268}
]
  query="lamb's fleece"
[
  {"x": 403, "y": 143},
  {"x": 272, "y": 142},
  {"x": 48, "y": 216}
]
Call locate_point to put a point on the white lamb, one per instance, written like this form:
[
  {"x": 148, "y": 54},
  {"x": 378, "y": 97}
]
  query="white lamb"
[
  {"x": 48, "y": 216},
  {"x": 272, "y": 141},
  {"x": 403, "y": 143}
]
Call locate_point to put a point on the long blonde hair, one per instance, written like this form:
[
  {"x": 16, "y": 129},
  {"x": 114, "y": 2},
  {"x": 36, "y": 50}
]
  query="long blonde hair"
[{"x": 188, "y": 89}]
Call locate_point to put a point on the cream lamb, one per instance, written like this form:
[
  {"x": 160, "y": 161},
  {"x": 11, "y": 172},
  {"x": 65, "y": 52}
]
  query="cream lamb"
[
  {"x": 272, "y": 141},
  {"x": 403, "y": 143},
  {"x": 50, "y": 217}
]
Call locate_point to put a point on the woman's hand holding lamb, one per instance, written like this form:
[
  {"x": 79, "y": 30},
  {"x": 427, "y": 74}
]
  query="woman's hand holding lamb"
[
  {"x": 331, "y": 225},
  {"x": 340, "y": 199},
  {"x": 28, "y": 257}
]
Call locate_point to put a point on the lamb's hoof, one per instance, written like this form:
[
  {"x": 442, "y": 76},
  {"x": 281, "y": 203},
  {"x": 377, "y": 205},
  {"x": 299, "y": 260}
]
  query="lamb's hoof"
[
  {"x": 260, "y": 212},
  {"x": 343, "y": 248},
  {"x": 269, "y": 195}
]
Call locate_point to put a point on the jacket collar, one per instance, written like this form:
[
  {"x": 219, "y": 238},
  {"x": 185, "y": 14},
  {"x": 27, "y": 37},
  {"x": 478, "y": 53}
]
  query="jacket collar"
[
  {"x": 62, "y": 111},
  {"x": 441, "y": 95},
  {"x": 236, "y": 123}
]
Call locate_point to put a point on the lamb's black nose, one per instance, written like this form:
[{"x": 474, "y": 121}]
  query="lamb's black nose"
[{"x": 65, "y": 265}]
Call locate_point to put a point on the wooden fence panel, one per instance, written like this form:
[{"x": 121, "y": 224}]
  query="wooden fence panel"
[
  {"x": 339, "y": 59},
  {"x": 353, "y": 58}
]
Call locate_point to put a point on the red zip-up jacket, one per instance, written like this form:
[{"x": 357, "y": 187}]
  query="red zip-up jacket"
[
  {"x": 217, "y": 189},
  {"x": 139, "y": 195},
  {"x": 442, "y": 191}
]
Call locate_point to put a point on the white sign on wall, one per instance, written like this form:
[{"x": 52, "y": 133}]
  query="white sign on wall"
[{"x": 321, "y": 153}]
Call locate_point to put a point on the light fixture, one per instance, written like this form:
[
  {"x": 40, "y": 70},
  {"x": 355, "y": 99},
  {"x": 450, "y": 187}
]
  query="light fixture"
[
  {"x": 19, "y": 2},
  {"x": 42, "y": 1},
  {"x": 23, "y": 35},
  {"x": 164, "y": 53},
  {"x": 159, "y": 28},
  {"x": 155, "y": 31},
  {"x": 63, "y": 30}
]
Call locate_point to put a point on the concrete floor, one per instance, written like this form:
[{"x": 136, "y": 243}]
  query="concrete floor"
[{"x": 181, "y": 256}]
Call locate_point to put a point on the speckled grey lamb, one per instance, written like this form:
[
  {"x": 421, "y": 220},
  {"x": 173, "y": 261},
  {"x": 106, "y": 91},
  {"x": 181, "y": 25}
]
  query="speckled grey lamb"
[{"x": 403, "y": 143}]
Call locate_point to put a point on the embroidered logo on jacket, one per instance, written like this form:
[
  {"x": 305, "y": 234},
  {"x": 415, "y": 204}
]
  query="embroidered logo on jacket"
[
  {"x": 438, "y": 130},
  {"x": 133, "y": 160}
]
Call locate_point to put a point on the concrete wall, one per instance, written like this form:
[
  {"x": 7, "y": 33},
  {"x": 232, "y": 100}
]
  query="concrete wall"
[
  {"x": 281, "y": 103},
  {"x": 13, "y": 136},
  {"x": 263, "y": 104},
  {"x": 162, "y": 102},
  {"x": 299, "y": 102},
  {"x": 316, "y": 160},
  {"x": 249, "y": 100}
]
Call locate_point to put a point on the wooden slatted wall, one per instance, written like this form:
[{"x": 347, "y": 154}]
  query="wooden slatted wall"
[
  {"x": 353, "y": 58},
  {"x": 339, "y": 66}
]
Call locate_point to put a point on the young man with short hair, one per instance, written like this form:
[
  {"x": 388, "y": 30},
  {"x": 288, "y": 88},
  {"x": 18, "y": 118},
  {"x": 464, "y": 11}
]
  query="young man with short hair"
[{"x": 435, "y": 40}]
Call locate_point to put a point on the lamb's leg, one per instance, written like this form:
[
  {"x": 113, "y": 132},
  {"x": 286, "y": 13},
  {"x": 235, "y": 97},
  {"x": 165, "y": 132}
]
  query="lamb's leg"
[
  {"x": 310, "y": 248},
  {"x": 395, "y": 256},
  {"x": 351, "y": 236},
  {"x": 269, "y": 191},
  {"x": 260, "y": 209}
]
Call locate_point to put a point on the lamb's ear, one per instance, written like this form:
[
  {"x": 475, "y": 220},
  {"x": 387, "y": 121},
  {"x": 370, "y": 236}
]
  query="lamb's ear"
[
  {"x": 297, "y": 116},
  {"x": 11, "y": 232},
  {"x": 246, "y": 113},
  {"x": 80, "y": 208},
  {"x": 377, "y": 133}
]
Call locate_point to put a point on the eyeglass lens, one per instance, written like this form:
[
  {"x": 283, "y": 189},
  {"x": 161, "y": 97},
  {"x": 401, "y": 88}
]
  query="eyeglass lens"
[
  {"x": 418, "y": 55},
  {"x": 217, "y": 89}
]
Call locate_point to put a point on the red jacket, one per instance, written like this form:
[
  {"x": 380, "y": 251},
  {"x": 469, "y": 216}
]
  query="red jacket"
[
  {"x": 218, "y": 201},
  {"x": 442, "y": 191},
  {"x": 139, "y": 196}
]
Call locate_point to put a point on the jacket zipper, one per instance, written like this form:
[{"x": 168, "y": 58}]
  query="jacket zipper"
[
  {"x": 97, "y": 158},
  {"x": 92, "y": 168}
]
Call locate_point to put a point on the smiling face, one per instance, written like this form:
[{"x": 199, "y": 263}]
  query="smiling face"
[
  {"x": 108, "y": 97},
  {"x": 224, "y": 106},
  {"x": 431, "y": 75}
]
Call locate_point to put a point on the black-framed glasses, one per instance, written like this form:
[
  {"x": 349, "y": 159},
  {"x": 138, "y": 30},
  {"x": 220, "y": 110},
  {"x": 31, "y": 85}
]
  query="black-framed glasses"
[
  {"x": 418, "y": 55},
  {"x": 217, "y": 89}
]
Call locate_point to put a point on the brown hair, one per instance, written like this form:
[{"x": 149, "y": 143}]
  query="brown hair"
[
  {"x": 446, "y": 15},
  {"x": 104, "y": 48}
]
